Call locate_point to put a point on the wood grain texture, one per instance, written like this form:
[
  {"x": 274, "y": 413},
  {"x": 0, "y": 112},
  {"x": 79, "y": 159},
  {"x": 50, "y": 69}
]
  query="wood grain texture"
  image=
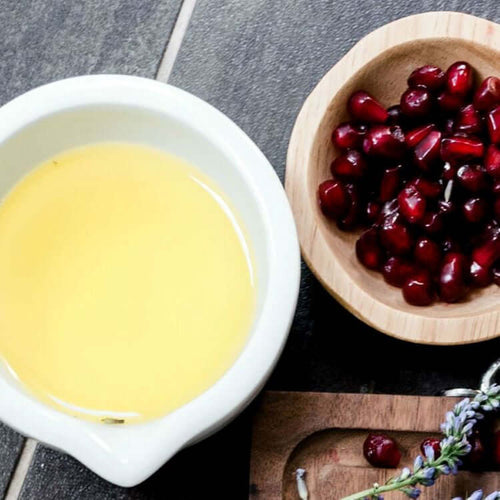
[
  {"x": 380, "y": 63},
  {"x": 324, "y": 433}
]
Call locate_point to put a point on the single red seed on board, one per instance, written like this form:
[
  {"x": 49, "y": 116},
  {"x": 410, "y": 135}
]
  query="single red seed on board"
[
  {"x": 418, "y": 289},
  {"x": 427, "y": 76},
  {"x": 416, "y": 102},
  {"x": 362, "y": 106},
  {"x": 493, "y": 121},
  {"x": 459, "y": 78},
  {"x": 349, "y": 135},
  {"x": 381, "y": 451},
  {"x": 487, "y": 96}
]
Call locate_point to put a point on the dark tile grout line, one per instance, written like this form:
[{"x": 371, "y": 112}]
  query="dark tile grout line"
[{"x": 163, "y": 73}]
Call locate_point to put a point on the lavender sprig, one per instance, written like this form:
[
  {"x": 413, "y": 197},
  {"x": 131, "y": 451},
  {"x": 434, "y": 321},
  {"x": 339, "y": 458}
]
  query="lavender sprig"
[
  {"x": 479, "y": 495},
  {"x": 427, "y": 469}
]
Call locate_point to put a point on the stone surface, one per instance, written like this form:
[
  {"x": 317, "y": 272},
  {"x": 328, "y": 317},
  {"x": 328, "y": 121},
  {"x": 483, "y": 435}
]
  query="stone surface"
[
  {"x": 256, "y": 61},
  {"x": 11, "y": 444},
  {"x": 42, "y": 41}
]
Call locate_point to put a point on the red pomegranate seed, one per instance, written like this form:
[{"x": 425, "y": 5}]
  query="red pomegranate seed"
[
  {"x": 472, "y": 177},
  {"x": 487, "y": 96},
  {"x": 412, "y": 204},
  {"x": 432, "y": 222},
  {"x": 449, "y": 102},
  {"x": 385, "y": 142},
  {"x": 449, "y": 125},
  {"x": 468, "y": 121},
  {"x": 461, "y": 149},
  {"x": 430, "y": 189},
  {"x": 480, "y": 276},
  {"x": 390, "y": 183},
  {"x": 475, "y": 210},
  {"x": 427, "y": 76},
  {"x": 349, "y": 165},
  {"x": 492, "y": 161},
  {"x": 362, "y": 106},
  {"x": 397, "y": 270},
  {"x": 446, "y": 208},
  {"x": 427, "y": 253},
  {"x": 427, "y": 151},
  {"x": 416, "y": 103},
  {"x": 368, "y": 250},
  {"x": 452, "y": 277},
  {"x": 395, "y": 116},
  {"x": 488, "y": 252},
  {"x": 477, "y": 456},
  {"x": 395, "y": 236},
  {"x": 372, "y": 211},
  {"x": 389, "y": 208},
  {"x": 434, "y": 443},
  {"x": 351, "y": 218},
  {"x": 493, "y": 120},
  {"x": 414, "y": 136},
  {"x": 333, "y": 198},
  {"x": 418, "y": 289},
  {"x": 349, "y": 135},
  {"x": 459, "y": 78},
  {"x": 381, "y": 451}
]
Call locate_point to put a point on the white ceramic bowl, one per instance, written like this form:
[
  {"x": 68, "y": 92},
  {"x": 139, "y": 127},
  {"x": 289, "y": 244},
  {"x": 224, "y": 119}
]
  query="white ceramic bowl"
[{"x": 88, "y": 109}]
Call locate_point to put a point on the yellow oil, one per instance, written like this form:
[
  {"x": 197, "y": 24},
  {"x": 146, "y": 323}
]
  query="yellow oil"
[{"x": 126, "y": 282}]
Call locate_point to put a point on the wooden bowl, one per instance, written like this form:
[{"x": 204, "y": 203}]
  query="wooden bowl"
[{"x": 380, "y": 63}]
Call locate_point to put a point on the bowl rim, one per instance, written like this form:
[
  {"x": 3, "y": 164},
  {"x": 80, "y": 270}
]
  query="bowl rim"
[
  {"x": 408, "y": 326},
  {"x": 127, "y": 455}
]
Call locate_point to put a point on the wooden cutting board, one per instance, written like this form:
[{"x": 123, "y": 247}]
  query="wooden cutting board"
[{"x": 324, "y": 433}]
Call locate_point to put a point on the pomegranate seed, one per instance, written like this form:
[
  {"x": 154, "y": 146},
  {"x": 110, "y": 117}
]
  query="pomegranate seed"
[
  {"x": 412, "y": 204},
  {"x": 368, "y": 250},
  {"x": 389, "y": 208},
  {"x": 452, "y": 278},
  {"x": 480, "y": 276},
  {"x": 427, "y": 151},
  {"x": 414, "y": 136},
  {"x": 493, "y": 120},
  {"x": 372, "y": 211},
  {"x": 427, "y": 253},
  {"x": 385, "y": 142},
  {"x": 397, "y": 270},
  {"x": 349, "y": 136},
  {"x": 416, "y": 103},
  {"x": 381, "y": 451},
  {"x": 432, "y": 222},
  {"x": 487, "y": 253},
  {"x": 446, "y": 208},
  {"x": 434, "y": 443},
  {"x": 349, "y": 165},
  {"x": 418, "y": 290},
  {"x": 449, "y": 125},
  {"x": 427, "y": 76},
  {"x": 468, "y": 121},
  {"x": 461, "y": 149},
  {"x": 449, "y": 103},
  {"x": 430, "y": 189},
  {"x": 496, "y": 448},
  {"x": 487, "y": 96},
  {"x": 362, "y": 106},
  {"x": 472, "y": 177},
  {"x": 333, "y": 198},
  {"x": 395, "y": 236},
  {"x": 390, "y": 183},
  {"x": 459, "y": 78},
  {"x": 395, "y": 116},
  {"x": 449, "y": 171},
  {"x": 351, "y": 218},
  {"x": 475, "y": 210},
  {"x": 492, "y": 161}
]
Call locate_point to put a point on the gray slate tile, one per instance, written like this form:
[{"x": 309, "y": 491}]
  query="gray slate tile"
[
  {"x": 45, "y": 40},
  {"x": 10, "y": 448}
]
